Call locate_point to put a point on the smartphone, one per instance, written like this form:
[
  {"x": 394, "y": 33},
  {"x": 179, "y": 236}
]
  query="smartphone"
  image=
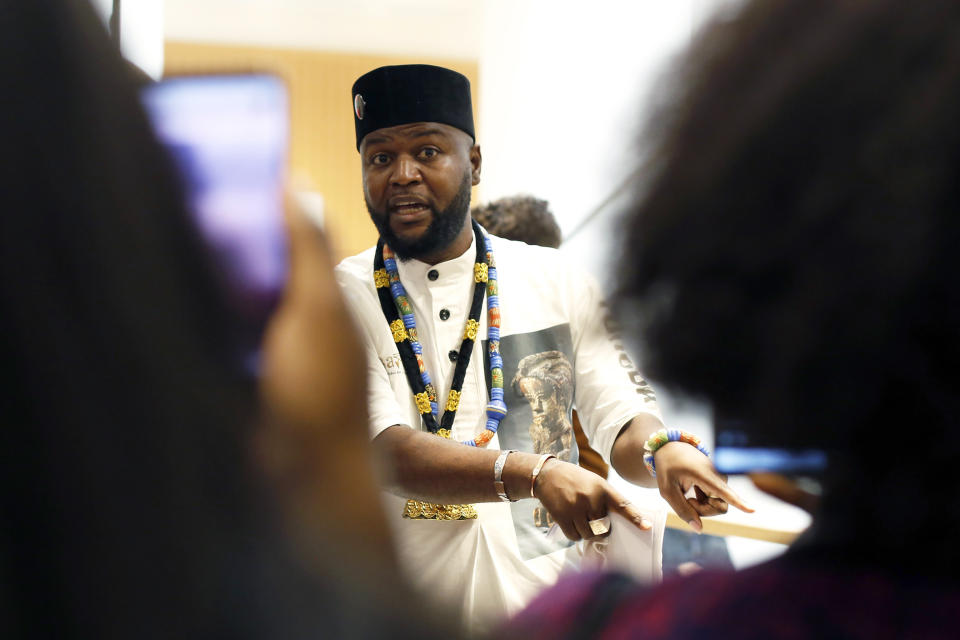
[
  {"x": 739, "y": 449},
  {"x": 228, "y": 137}
]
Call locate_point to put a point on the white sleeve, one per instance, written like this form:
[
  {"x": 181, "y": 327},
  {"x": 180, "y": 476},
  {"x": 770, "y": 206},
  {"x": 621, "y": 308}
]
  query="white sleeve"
[
  {"x": 383, "y": 408},
  {"x": 610, "y": 390}
]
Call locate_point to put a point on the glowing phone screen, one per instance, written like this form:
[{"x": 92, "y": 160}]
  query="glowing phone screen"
[{"x": 228, "y": 137}]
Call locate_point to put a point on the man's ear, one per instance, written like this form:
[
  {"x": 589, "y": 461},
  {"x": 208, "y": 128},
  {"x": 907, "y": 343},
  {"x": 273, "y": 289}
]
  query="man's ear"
[{"x": 476, "y": 159}]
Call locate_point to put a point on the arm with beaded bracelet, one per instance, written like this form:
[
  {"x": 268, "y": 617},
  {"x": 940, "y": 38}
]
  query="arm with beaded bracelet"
[{"x": 679, "y": 466}]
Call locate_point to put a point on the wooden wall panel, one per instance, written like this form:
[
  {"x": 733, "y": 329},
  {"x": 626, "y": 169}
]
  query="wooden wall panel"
[{"x": 322, "y": 135}]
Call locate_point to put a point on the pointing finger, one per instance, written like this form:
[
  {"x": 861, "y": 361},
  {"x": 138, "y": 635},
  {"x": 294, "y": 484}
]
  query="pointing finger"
[
  {"x": 673, "y": 494},
  {"x": 706, "y": 505},
  {"x": 617, "y": 503},
  {"x": 712, "y": 507},
  {"x": 716, "y": 487}
]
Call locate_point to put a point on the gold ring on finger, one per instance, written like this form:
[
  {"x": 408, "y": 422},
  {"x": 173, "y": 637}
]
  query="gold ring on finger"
[{"x": 600, "y": 526}]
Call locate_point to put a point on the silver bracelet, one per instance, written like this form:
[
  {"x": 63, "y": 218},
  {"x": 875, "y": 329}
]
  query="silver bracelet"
[
  {"x": 536, "y": 471},
  {"x": 498, "y": 475}
]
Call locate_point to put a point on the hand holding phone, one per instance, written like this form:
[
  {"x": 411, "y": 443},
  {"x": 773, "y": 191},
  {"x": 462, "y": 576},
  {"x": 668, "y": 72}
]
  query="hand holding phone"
[{"x": 228, "y": 138}]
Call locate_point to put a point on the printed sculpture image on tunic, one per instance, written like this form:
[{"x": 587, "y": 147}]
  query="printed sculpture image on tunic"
[{"x": 546, "y": 381}]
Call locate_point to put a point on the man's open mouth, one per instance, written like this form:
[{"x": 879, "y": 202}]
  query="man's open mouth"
[{"x": 409, "y": 209}]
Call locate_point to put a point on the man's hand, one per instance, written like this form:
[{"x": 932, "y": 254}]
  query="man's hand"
[
  {"x": 574, "y": 496},
  {"x": 679, "y": 467}
]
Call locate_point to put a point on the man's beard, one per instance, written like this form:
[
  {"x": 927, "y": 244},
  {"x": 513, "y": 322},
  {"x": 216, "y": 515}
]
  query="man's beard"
[{"x": 443, "y": 229}]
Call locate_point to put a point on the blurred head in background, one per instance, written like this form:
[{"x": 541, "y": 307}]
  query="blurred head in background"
[
  {"x": 792, "y": 255},
  {"x": 522, "y": 218}
]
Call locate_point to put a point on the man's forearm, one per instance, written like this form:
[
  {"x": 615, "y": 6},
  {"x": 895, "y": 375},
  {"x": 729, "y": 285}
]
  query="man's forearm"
[
  {"x": 627, "y": 454},
  {"x": 426, "y": 467}
]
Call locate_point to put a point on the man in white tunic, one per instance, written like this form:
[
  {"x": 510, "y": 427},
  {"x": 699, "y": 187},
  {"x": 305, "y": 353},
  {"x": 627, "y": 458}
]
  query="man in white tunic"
[{"x": 488, "y": 344}]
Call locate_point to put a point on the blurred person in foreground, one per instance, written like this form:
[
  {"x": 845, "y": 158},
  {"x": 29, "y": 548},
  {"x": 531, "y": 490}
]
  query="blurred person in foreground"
[
  {"x": 529, "y": 219},
  {"x": 796, "y": 266},
  {"x": 147, "y": 491}
]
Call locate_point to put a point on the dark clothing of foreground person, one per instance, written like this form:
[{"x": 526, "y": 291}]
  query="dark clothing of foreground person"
[{"x": 812, "y": 599}]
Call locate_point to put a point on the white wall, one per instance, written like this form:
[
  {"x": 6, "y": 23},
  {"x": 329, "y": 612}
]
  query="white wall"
[
  {"x": 563, "y": 95},
  {"x": 442, "y": 28},
  {"x": 141, "y": 31}
]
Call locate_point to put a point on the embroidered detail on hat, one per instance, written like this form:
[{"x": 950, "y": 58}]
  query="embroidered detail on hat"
[{"x": 358, "y": 106}]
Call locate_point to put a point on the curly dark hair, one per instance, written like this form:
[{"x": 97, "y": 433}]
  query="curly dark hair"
[
  {"x": 522, "y": 218},
  {"x": 794, "y": 248}
]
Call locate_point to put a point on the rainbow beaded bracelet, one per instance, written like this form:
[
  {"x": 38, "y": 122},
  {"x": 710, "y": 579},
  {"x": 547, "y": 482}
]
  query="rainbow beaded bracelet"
[{"x": 659, "y": 438}]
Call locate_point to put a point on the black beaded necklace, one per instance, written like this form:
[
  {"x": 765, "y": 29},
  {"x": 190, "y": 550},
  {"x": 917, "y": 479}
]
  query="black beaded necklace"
[{"x": 394, "y": 302}]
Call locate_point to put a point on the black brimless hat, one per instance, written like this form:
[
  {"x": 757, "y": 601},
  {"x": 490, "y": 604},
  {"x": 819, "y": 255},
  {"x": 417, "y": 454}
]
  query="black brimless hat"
[{"x": 401, "y": 94}]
